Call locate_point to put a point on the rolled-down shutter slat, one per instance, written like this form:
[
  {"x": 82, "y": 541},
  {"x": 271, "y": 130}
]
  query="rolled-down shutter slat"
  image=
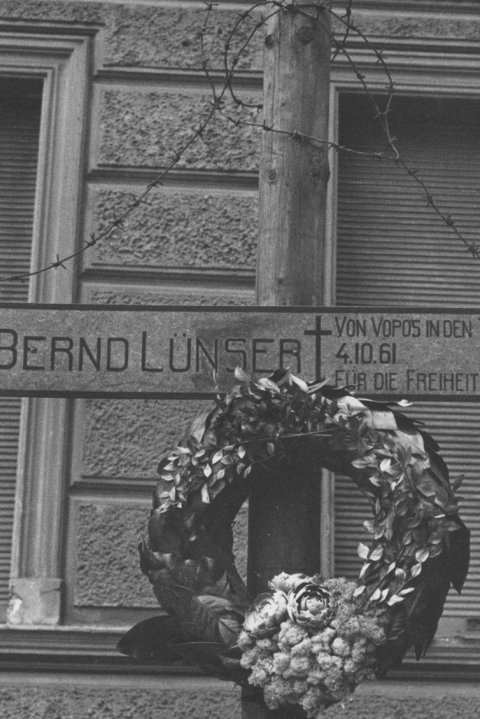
[
  {"x": 19, "y": 133},
  {"x": 393, "y": 250}
]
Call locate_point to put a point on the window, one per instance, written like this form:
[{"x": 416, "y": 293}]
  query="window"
[
  {"x": 20, "y": 109},
  {"x": 393, "y": 250},
  {"x": 42, "y": 80}
]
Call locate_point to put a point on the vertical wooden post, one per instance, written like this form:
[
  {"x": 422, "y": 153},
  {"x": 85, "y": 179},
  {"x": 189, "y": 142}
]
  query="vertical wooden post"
[
  {"x": 294, "y": 172},
  {"x": 284, "y": 507}
]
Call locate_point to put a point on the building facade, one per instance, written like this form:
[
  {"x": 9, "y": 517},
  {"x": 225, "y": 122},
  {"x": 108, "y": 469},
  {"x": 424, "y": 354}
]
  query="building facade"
[{"x": 97, "y": 100}]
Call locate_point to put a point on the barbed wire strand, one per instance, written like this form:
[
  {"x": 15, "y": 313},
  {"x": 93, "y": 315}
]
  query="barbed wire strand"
[
  {"x": 343, "y": 41},
  {"x": 231, "y": 69}
]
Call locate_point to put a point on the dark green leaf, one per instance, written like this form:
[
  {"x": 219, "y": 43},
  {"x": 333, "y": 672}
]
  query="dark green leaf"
[
  {"x": 229, "y": 627},
  {"x": 150, "y": 641},
  {"x": 457, "y": 482},
  {"x": 206, "y": 612},
  {"x": 205, "y": 656}
]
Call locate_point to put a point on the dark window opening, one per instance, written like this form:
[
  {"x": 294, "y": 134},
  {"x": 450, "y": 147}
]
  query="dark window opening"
[{"x": 20, "y": 110}]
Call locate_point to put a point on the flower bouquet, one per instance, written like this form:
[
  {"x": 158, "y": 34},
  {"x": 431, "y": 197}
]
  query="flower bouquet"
[{"x": 307, "y": 642}]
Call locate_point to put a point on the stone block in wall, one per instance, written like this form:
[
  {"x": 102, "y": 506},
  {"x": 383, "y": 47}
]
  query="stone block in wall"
[
  {"x": 401, "y": 22},
  {"x": 177, "y": 229},
  {"x": 134, "y": 295},
  {"x": 134, "y": 697},
  {"x": 127, "y": 438},
  {"x": 139, "y": 128},
  {"x": 107, "y": 566},
  {"x": 106, "y": 557},
  {"x": 86, "y": 13},
  {"x": 149, "y": 36},
  {"x": 123, "y": 697}
]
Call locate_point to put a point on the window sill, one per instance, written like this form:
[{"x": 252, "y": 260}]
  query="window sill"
[
  {"x": 93, "y": 650},
  {"x": 69, "y": 648}
]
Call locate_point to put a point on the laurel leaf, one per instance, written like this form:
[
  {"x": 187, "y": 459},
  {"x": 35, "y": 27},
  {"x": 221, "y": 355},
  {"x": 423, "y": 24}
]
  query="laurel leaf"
[{"x": 363, "y": 551}]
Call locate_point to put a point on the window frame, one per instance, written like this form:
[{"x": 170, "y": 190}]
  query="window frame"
[
  {"x": 62, "y": 62},
  {"x": 449, "y": 71},
  {"x": 418, "y": 68}
]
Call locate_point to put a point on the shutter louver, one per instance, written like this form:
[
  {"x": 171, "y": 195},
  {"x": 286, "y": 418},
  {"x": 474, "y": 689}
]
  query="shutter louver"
[
  {"x": 391, "y": 247},
  {"x": 393, "y": 250},
  {"x": 19, "y": 131}
]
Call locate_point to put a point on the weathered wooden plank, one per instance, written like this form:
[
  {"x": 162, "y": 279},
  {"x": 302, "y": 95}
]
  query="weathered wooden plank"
[{"x": 51, "y": 350}]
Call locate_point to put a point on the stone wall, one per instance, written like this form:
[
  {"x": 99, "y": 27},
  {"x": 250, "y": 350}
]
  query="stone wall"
[
  {"x": 185, "y": 226},
  {"x": 194, "y": 229},
  {"x": 77, "y": 697}
]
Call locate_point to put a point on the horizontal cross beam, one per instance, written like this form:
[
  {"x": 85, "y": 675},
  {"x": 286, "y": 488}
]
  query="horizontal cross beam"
[{"x": 144, "y": 352}]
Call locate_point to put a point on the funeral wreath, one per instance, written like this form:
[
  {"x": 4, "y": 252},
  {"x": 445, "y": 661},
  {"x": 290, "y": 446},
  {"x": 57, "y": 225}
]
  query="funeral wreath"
[{"x": 306, "y": 642}]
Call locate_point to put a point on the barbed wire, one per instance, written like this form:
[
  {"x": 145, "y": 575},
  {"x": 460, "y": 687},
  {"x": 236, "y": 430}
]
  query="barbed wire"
[
  {"x": 382, "y": 115},
  {"x": 347, "y": 16},
  {"x": 231, "y": 62}
]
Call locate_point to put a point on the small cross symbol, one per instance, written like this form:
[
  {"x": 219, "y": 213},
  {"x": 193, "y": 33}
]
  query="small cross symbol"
[{"x": 318, "y": 333}]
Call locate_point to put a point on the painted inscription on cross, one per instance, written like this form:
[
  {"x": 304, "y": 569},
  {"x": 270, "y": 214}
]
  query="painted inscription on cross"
[{"x": 105, "y": 351}]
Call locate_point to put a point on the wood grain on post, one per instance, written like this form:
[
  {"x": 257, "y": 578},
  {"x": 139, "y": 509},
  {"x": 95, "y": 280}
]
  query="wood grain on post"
[
  {"x": 294, "y": 171},
  {"x": 284, "y": 505}
]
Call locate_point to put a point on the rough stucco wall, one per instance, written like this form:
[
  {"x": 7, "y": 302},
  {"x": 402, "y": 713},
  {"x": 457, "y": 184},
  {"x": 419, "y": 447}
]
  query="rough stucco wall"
[
  {"x": 163, "y": 296},
  {"x": 406, "y": 25},
  {"x": 107, "y": 566},
  {"x": 53, "y": 10},
  {"x": 80, "y": 702},
  {"x": 145, "y": 35},
  {"x": 127, "y": 438},
  {"x": 380, "y": 706},
  {"x": 108, "y": 571},
  {"x": 178, "y": 229},
  {"x": 145, "y": 128},
  {"x": 168, "y": 698},
  {"x": 409, "y": 700},
  {"x": 149, "y": 36}
]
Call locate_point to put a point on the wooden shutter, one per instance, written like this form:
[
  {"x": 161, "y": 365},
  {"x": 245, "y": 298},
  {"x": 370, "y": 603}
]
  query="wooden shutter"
[
  {"x": 393, "y": 250},
  {"x": 19, "y": 131}
]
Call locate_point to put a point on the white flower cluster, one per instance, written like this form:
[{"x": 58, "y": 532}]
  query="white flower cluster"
[{"x": 308, "y": 662}]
